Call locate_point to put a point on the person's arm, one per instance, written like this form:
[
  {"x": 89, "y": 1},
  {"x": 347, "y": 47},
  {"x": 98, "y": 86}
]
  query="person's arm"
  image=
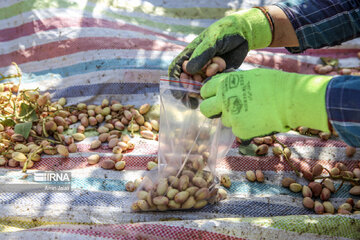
[
  {"x": 343, "y": 108},
  {"x": 319, "y": 23},
  {"x": 284, "y": 34}
]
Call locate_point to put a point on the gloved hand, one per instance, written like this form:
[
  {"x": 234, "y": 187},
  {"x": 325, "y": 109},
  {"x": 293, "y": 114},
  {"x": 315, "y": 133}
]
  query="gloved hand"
[
  {"x": 230, "y": 38},
  {"x": 259, "y": 102}
]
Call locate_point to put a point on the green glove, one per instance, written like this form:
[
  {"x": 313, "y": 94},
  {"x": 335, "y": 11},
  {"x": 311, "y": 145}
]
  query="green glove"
[
  {"x": 230, "y": 38},
  {"x": 259, "y": 102}
]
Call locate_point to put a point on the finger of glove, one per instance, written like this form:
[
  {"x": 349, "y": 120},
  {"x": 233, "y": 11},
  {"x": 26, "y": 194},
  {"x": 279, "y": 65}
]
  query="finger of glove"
[
  {"x": 225, "y": 119},
  {"x": 211, "y": 86},
  {"x": 175, "y": 70},
  {"x": 175, "y": 67},
  {"x": 236, "y": 56},
  {"x": 201, "y": 55},
  {"x": 210, "y": 107}
]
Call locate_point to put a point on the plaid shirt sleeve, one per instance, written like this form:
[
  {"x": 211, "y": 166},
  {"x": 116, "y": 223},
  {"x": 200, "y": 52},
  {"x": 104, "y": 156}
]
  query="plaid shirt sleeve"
[
  {"x": 343, "y": 107},
  {"x": 320, "y": 23}
]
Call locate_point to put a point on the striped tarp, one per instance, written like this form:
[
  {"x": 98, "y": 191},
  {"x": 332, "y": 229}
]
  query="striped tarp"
[{"x": 90, "y": 50}]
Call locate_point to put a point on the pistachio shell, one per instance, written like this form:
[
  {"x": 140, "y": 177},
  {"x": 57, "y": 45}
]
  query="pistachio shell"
[
  {"x": 329, "y": 184},
  {"x": 160, "y": 200},
  {"x": 72, "y": 148},
  {"x": 201, "y": 194},
  {"x": 225, "y": 181},
  {"x": 18, "y": 156},
  {"x": 250, "y": 175},
  {"x": 200, "y": 204},
  {"x": 181, "y": 197},
  {"x": 295, "y": 187},
  {"x": 306, "y": 191},
  {"x": 171, "y": 193},
  {"x": 346, "y": 206},
  {"x": 93, "y": 159},
  {"x": 355, "y": 190},
  {"x": 259, "y": 176},
  {"x": 21, "y": 148},
  {"x": 108, "y": 164},
  {"x": 335, "y": 171},
  {"x": 95, "y": 144},
  {"x": 350, "y": 151},
  {"x": 316, "y": 188},
  {"x": 308, "y": 175},
  {"x": 192, "y": 190},
  {"x": 262, "y": 149},
  {"x": 174, "y": 181},
  {"x": 162, "y": 187},
  {"x": 174, "y": 205},
  {"x": 120, "y": 165},
  {"x": 318, "y": 207},
  {"x": 183, "y": 182},
  {"x": 287, "y": 181},
  {"x": 62, "y": 150},
  {"x": 147, "y": 134},
  {"x": 308, "y": 202},
  {"x": 325, "y": 194},
  {"x": 116, "y": 157},
  {"x": 130, "y": 186},
  {"x": 328, "y": 207},
  {"x": 78, "y": 136},
  {"x": 150, "y": 165},
  {"x": 317, "y": 170},
  {"x": 189, "y": 203},
  {"x": 142, "y": 195},
  {"x": 199, "y": 182}
]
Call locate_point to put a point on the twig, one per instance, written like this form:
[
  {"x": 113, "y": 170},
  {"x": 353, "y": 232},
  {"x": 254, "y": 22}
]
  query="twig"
[
  {"x": 276, "y": 140},
  {"x": 356, "y": 181},
  {"x": 342, "y": 183},
  {"x": 328, "y": 171},
  {"x": 290, "y": 163},
  {"x": 287, "y": 159},
  {"x": 47, "y": 139}
]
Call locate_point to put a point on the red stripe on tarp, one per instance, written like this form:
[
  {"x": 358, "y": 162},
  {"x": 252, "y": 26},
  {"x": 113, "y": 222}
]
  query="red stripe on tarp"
[
  {"x": 58, "y": 23},
  {"x": 302, "y": 141},
  {"x": 137, "y": 231},
  {"x": 282, "y": 63},
  {"x": 70, "y": 46},
  {"x": 298, "y": 141},
  {"x": 57, "y": 162},
  {"x": 235, "y": 163},
  {"x": 273, "y": 163}
]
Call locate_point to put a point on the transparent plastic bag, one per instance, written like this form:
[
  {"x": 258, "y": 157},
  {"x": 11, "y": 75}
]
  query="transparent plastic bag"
[{"x": 189, "y": 145}]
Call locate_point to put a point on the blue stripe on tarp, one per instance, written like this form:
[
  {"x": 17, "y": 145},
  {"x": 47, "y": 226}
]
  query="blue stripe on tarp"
[
  {"x": 107, "y": 64},
  {"x": 105, "y": 88},
  {"x": 93, "y": 66},
  {"x": 250, "y": 208},
  {"x": 243, "y": 207},
  {"x": 249, "y": 188},
  {"x": 255, "y": 188}
]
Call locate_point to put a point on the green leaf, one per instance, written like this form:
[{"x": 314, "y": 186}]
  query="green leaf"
[
  {"x": 91, "y": 132},
  {"x": 330, "y": 61},
  {"x": 248, "y": 149},
  {"x": 28, "y": 111},
  {"x": 69, "y": 131},
  {"x": 8, "y": 122},
  {"x": 23, "y": 129}
]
